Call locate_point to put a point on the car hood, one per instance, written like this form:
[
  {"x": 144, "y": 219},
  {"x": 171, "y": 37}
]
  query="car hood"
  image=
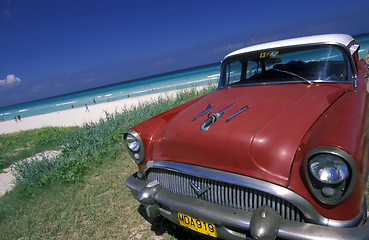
[{"x": 260, "y": 141}]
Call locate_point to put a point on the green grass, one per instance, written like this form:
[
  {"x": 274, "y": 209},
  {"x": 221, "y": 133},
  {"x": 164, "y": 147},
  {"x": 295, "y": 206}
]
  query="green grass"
[
  {"x": 21, "y": 145},
  {"x": 81, "y": 194},
  {"x": 100, "y": 207}
]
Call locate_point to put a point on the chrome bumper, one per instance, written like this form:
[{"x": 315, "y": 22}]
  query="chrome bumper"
[{"x": 231, "y": 223}]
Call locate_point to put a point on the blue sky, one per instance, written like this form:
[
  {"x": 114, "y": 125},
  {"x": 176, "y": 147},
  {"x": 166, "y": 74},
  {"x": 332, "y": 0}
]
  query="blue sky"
[{"x": 50, "y": 47}]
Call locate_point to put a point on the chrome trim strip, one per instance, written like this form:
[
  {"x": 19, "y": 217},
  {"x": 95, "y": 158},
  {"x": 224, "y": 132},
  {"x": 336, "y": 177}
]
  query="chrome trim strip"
[
  {"x": 238, "y": 112},
  {"x": 221, "y": 112},
  {"x": 284, "y": 82},
  {"x": 208, "y": 108},
  {"x": 311, "y": 215}
]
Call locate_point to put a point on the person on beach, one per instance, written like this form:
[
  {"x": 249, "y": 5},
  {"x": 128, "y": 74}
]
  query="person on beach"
[
  {"x": 94, "y": 100},
  {"x": 19, "y": 117},
  {"x": 87, "y": 110}
]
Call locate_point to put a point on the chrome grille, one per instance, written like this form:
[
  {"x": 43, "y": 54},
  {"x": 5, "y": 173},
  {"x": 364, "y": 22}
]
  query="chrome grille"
[{"x": 224, "y": 194}]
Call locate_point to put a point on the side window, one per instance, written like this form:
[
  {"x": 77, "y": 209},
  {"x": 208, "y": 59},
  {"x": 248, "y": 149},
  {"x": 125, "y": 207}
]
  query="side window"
[
  {"x": 253, "y": 68},
  {"x": 233, "y": 72}
]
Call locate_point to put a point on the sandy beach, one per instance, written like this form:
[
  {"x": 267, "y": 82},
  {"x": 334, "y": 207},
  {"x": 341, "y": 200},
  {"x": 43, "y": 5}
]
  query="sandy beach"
[{"x": 79, "y": 116}]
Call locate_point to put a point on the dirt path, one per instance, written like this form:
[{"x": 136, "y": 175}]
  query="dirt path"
[{"x": 7, "y": 179}]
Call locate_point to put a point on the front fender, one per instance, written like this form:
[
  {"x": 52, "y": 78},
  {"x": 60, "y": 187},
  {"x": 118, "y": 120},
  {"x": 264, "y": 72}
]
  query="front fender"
[
  {"x": 343, "y": 125},
  {"x": 149, "y": 130}
]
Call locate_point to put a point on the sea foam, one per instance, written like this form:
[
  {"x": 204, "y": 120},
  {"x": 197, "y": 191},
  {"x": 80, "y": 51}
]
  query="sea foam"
[{"x": 65, "y": 103}]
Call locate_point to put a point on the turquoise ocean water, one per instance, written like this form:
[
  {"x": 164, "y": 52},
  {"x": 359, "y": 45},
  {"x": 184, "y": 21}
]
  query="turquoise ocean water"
[
  {"x": 188, "y": 78},
  {"x": 363, "y": 41},
  {"x": 192, "y": 77}
]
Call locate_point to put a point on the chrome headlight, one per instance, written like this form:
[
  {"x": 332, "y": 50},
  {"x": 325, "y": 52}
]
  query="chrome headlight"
[
  {"x": 331, "y": 174},
  {"x": 328, "y": 168},
  {"x": 134, "y": 145}
]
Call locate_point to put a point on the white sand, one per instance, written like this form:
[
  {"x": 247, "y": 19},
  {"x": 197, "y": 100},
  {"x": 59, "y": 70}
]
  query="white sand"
[
  {"x": 79, "y": 116},
  {"x": 6, "y": 181}
]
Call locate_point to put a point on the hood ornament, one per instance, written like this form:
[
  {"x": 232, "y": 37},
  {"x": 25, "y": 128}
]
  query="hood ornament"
[
  {"x": 209, "y": 107},
  {"x": 198, "y": 190},
  {"x": 212, "y": 118}
]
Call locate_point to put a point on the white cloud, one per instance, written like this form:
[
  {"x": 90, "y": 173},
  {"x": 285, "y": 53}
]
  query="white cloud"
[
  {"x": 164, "y": 62},
  {"x": 229, "y": 47},
  {"x": 254, "y": 41},
  {"x": 9, "y": 81},
  {"x": 36, "y": 88},
  {"x": 6, "y": 13}
]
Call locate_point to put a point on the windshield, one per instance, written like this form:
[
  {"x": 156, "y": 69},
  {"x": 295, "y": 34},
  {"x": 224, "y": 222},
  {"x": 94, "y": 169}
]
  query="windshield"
[{"x": 327, "y": 63}]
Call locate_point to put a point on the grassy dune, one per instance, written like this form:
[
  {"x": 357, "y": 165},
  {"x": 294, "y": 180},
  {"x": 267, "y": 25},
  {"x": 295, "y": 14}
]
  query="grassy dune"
[{"x": 81, "y": 194}]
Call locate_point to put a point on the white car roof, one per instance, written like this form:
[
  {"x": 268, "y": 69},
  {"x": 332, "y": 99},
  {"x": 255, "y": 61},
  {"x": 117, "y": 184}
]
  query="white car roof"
[{"x": 342, "y": 39}]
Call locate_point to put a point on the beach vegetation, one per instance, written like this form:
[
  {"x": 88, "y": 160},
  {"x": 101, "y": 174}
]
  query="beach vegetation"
[
  {"x": 21, "y": 145},
  {"x": 94, "y": 143},
  {"x": 80, "y": 193}
]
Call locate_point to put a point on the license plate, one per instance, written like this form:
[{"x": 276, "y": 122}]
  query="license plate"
[{"x": 197, "y": 225}]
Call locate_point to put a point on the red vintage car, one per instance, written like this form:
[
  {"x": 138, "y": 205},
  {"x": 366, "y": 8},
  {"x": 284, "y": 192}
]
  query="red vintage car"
[{"x": 279, "y": 150}]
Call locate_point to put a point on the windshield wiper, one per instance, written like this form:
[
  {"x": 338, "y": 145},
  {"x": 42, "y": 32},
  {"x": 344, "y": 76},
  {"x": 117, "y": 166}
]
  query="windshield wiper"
[{"x": 293, "y": 74}]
